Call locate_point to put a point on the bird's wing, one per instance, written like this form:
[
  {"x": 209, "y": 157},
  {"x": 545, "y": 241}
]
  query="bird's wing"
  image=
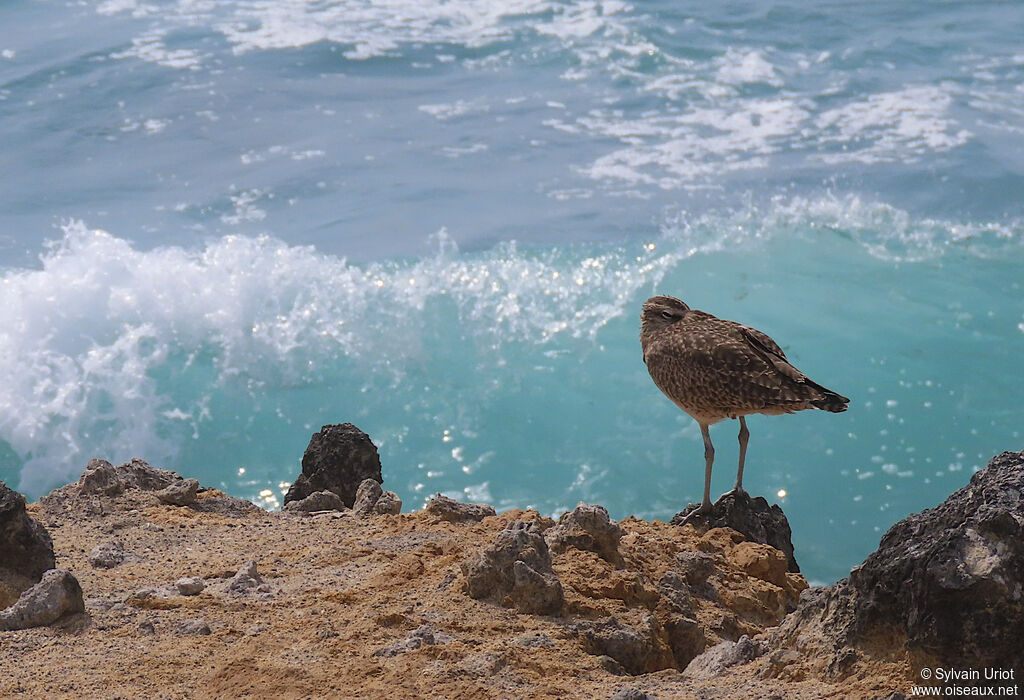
[
  {"x": 771, "y": 353},
  {"x": 762, "y": 340}
]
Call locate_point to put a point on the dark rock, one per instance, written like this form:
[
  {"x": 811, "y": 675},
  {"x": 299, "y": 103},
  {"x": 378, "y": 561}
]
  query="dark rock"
[
  {"x": 454, "y": 512},
  {"x": 107, "y": 555},
  {"x": 945, "y": 584},
  {"x": 147, "y": 628},
  {"x": 694, "y": 568},
  {"x": 100, "y": 477},
  {"x": 58, "y": 593},
  {"x": 517, "y": 566},
  {"x": 371, "y": 499},
  {"x": 718, "y": 658},
  {"x": 25, "y": 546},
  {"x": 104, "y": 489},
  {"x": 535, "y": 592},
  {"x": 320, "y": 500},
  {"x": 425, "y": 635},
  {"x": 179, "y": 493},
  {"x": 637, "y": 649},
  {"x": 589, "y": 528},
  {"x": 751, "y": 517},
  {"x": 337, "y": 459}
]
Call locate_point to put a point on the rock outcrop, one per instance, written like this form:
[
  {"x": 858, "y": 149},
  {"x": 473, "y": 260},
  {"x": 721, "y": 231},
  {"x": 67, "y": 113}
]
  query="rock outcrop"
[
  {"x": 754, "y": 518},
  {"x": 103, "y": 478},
  {"x": 141, "y": 485},
  {"x": 25, "y": 546},
  {"x": 541, "y": 609},
  {"x": 337, "y": 459},
  {"x": 517, "y": 568},
  {"x": 589, "y": 528},
  {"x": 637, "y": 648},
  {"x": 945, "y": 588}
]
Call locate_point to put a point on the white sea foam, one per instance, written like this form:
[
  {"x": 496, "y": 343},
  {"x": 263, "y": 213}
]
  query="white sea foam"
[
  {"x": 370, "y": 27},
  {"x": 672, "y": 150},
  {"x": 151, "y": 47},
  {"x": 745, "y": 66},
  {"x": 892, "y": 126}
]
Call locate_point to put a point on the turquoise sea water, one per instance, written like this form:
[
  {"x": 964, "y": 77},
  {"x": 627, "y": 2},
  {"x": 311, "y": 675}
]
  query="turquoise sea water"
[{"x": 225, "y": 224}]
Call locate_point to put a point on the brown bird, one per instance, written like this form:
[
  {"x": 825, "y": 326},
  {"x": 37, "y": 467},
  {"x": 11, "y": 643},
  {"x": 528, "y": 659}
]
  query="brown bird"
[{"x": 716, "y": 369}]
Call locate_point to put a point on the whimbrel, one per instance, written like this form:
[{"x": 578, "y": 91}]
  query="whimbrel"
[{"x": 715, "y": 369}]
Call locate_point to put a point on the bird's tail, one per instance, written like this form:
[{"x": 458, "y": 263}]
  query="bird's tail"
[{"x": 830, "y": 400}]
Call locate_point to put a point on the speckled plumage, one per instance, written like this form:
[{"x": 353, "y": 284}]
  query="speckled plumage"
[{"x": 715, "y": 369}]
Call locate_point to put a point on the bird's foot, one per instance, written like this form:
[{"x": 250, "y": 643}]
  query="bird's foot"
[
  {"x": 698, "y": 513},
  {"x": 737, "y": 491}
]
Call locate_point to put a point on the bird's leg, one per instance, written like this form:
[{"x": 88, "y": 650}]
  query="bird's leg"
[
  {"x": 709, "y": 460},
  {"x": 743, "y": 437}
]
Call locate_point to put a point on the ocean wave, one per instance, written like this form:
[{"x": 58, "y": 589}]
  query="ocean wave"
[
  {"x": 99, "y": 340},
  {"x": 107, "y": 347}
]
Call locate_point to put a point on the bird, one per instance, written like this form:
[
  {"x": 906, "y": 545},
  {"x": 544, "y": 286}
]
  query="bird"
[{"x": 715, "y": 369}]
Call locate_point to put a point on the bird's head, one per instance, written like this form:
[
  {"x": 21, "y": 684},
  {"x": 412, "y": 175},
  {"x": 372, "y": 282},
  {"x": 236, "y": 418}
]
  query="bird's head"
[{"x": 661, "y": 312}]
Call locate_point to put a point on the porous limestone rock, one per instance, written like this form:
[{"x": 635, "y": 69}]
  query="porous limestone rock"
[
  {"x": 190, "y": 585},
  {"x": 453, "y": 511},
  {"x": 639, "y": 648},
  {"x": 589, "y": 528},
  {"x": 316, "y": 501},
  {"x": 517, "y": 567},
  {"x": 57, "y": 594},
  {"x": 945, "y": 585},
  {"x": 372, "y": 500},
  {"x": 179, "y": 493},
  {"x": 718, "y": 658}
]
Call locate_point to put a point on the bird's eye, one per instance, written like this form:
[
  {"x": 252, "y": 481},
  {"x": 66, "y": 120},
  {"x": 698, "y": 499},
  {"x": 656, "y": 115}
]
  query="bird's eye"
[{"x": 667, "y": 315}]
